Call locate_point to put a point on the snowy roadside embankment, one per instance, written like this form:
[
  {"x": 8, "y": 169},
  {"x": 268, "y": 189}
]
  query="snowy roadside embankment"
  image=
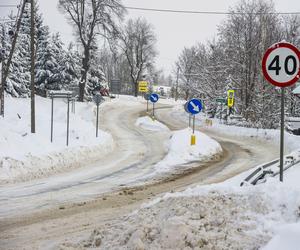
[
  {"x": 25, "y": 156},
  {"x": 292, "y": 142},
  {"x": 180, "y": 150},
  {"x": 179, "y": 146},
  {"x": 218, "y": 216}
]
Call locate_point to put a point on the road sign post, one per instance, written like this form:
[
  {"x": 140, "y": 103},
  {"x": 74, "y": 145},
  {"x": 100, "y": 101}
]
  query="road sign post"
[
  {"x": 147, "y": 98},
  {"x": 98, "y": 99},
  {"x": 193, "y": 107},
  {"x": 153, "y": 98},
  {"x": 281, "y": 67},
  {"x": 64, "y": 95}
]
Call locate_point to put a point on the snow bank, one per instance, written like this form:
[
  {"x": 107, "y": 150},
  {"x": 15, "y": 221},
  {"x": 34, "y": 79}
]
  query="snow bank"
[
  {"x": 179, "y": 146},
  {"x": 25, "y": 156},
  {"x": 180, "y": 150},
  {"x": 217, "y": 216},
  {"x": 149, "y": 124},
  {"x": 292, "y": 142}
]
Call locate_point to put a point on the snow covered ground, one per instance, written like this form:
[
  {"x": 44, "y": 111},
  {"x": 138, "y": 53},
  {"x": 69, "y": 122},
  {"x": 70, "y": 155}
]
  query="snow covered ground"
[
  {"x": 148, "y": 123},
  {"x": 217, "y": 216},
  {"x": 25, "y": 156},
  {"x": 179, "y": 148}
]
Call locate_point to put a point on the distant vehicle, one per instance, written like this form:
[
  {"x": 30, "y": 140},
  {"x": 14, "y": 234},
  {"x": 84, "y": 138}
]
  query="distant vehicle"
[{"x": 104, "y": 91}]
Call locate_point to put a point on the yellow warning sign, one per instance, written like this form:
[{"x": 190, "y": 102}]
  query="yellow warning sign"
[
  {"x": 230, "y": 98},
  {"x": 143, "y": 89},
  {"x": 143, "y": 86}
]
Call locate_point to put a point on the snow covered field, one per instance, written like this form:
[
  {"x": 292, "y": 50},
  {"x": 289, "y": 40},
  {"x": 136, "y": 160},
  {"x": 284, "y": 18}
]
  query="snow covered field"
[{"x": 25, "y": 156}]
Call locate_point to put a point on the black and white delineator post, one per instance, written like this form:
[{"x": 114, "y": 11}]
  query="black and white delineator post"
[
  {"x": 281, "y": 67},
  {"x": 98, "y": 99},
  {"x": 62, "y": 95}
]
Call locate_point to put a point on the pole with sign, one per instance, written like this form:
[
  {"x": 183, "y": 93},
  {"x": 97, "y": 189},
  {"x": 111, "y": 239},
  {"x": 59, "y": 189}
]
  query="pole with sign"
[
  {"x": 143, "y": 86},
  {"x": 230, "y": 100},
  {"x": 97, "y": 99},
  {"x": 281, "y": 68},
  {"x": 147, "y": 98},
  {"x": 153, "y": 98},
  {"x": 193, "y": 107},
  {"x": 64, "y": 95}
]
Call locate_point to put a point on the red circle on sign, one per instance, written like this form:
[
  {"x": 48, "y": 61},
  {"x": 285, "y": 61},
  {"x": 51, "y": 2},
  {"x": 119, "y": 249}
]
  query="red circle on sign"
[{"x": 264, "y": 62}]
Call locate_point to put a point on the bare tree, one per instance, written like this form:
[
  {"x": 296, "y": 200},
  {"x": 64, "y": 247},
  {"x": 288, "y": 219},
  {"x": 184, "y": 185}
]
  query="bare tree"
[
  {"x": 91, "y": 18},
  {"x": 137, "y": 41}
]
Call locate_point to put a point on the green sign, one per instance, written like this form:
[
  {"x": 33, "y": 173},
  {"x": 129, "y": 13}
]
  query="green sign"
[{"x": 221, "y": 100}]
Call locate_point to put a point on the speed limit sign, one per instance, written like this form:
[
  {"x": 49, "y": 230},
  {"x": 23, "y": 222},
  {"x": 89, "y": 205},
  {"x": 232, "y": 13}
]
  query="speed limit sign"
[{"x": 281, "y": 64}]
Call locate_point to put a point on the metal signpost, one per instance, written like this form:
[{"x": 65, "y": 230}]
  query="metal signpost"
[
  {"x": 75, "y": 90},
  {"x": 98, "y": 99},
  {"x": 281, "y": 67},
  {"x": 60, "y": 94},
  {"x": 153, "y": 98},
  {"x": 193, "y": 107},
  {"x": 147, "y": 98}
]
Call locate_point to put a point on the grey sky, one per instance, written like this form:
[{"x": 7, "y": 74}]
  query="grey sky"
[{"x": 174, "y": 31}]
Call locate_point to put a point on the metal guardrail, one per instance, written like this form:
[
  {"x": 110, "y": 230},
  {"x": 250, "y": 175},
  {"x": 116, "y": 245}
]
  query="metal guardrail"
[{"x": 270, "y": 169}]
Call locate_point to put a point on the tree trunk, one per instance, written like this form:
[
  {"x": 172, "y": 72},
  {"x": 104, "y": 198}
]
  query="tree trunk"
[
  {"x": 85, "y": 68},
  {"x": 136, "y": 86}
]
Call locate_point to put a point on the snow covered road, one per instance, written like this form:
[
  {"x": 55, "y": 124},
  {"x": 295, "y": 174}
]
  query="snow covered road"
[
  {"x": 135, "y": 152},
  {"x": 79, "y": 194}
]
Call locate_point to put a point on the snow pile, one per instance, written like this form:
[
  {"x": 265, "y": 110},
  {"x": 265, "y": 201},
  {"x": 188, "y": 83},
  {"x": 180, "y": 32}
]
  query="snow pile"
[
  {"x": 211, "y": 217},
  {"x": 25, "y": 156},
  {"x": 148, "y": 123},
  {"x": 292, "y": 142},
  {"x": 180, "y": 150}
]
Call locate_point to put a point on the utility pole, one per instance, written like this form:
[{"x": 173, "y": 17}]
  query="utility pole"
[
  {"x": 176, "y": 88},
  {"x": 2, "y": 57},
  {"x": 1, "y": 89},
  {"x": 32, "y": 69}
]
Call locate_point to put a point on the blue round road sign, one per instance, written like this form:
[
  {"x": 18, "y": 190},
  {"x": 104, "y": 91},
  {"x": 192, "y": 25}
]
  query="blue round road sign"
[
  {"x": 194, "y": 106},
  {"x": 154, "y": 97}
]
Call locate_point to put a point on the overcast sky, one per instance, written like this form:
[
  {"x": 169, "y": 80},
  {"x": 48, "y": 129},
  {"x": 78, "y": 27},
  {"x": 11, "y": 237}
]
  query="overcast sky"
[{"x": 174, "y": 31}]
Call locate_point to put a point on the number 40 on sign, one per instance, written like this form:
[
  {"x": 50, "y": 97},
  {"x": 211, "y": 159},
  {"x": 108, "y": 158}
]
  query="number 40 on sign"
[{"x": 281, "y": 65}]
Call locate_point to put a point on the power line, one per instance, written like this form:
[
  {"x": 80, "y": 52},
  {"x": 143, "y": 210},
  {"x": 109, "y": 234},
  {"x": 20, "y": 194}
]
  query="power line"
[
  {"x": 211, "y": 12},
  {"x": 8, "y": 5}
]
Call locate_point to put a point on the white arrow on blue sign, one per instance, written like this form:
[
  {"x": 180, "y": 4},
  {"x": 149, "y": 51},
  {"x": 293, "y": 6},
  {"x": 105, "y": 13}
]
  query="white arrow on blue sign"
[
  {"x": 194, "y": 106},
  {"x": 154, "y": 97}
]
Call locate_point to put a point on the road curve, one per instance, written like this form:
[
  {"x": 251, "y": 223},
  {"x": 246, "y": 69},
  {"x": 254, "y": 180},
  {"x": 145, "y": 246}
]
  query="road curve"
[{"x": 77, "y": 217}]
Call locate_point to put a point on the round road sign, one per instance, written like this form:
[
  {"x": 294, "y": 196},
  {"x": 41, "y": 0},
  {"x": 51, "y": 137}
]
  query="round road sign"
[
  {"x": 194, "y": 106},
  {"x": 281, "y": 64},
  {"x": 154, "y": 97},
  {"x": 147, "y": 97},
  {"x": 98, "y": 99}
]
